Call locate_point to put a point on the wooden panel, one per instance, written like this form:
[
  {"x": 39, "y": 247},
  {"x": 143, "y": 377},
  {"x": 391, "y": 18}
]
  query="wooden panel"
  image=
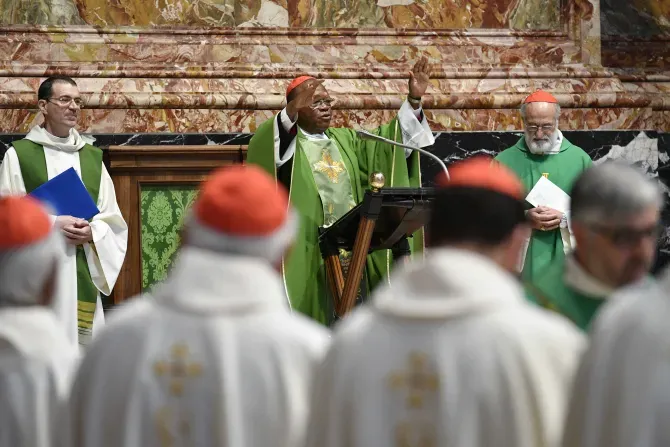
[{"x": 132, "y": 166}]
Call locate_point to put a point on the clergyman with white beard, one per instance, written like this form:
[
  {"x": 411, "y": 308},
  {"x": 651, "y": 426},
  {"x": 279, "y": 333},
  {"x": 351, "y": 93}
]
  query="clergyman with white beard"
[{"x": 543, "y": 151}]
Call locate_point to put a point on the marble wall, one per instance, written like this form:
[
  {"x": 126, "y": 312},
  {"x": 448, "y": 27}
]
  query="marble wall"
[
  {"x": 636, "y": 48},
  {"x": 223, "y": 65},
  {"x": 441, "y": 14}
]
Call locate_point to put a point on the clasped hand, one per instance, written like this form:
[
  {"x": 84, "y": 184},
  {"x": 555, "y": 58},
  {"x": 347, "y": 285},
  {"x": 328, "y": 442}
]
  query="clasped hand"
[
  {"x": 76, "y": 231},
  {"x": 545, "y": 218}
]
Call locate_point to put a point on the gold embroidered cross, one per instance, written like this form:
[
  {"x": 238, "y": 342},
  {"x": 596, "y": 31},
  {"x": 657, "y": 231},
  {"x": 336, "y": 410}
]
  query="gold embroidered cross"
[
  {"x": 545, "y": 175},
  {"x": 330, "y": 167},
  {"x": 178, "y": 369},
  {"x": 418, "y": 380}
]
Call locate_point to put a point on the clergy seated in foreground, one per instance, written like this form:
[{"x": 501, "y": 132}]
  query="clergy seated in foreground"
[
  {"x": 214, "y": 357},
  {"x": 452, "y": 354},
  {"x": 95, "y": 249},
  {"x": 615, "y": 220},
  {"x": 36, "y": 358},
  {"x": 622, "y": 388},
  {"x": 326, "y": 171},
  {"x": 543, "y": 151}
]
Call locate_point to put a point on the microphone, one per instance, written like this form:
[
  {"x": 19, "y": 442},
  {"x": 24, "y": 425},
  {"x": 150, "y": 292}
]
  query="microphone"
[{"x": 364, "y": 134}]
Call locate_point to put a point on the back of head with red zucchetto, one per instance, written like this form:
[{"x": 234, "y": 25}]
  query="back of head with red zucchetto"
[
  {"x": 481, "y": 203},
  {"x": 242, "y": 210}
]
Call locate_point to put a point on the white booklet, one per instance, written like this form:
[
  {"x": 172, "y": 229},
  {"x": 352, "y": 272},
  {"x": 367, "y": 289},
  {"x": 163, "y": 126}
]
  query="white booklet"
[{"x": 546, "y": 193}]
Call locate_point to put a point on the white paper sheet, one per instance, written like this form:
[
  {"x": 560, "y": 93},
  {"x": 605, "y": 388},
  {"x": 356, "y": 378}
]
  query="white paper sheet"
[{"x": 546, "y": 193}]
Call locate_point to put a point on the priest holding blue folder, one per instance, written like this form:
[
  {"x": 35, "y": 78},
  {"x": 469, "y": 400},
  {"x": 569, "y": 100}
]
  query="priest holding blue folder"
[{"x": 43, "y": 165}]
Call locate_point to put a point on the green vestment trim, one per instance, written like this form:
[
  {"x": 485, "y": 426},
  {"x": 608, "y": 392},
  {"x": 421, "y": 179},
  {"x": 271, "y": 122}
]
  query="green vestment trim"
[
  {"x": 304, "y": 271},
  {"x": 551, "y": 292},
  {"x": 545, "y": 247},
  {"x": 34, "y": 172}
]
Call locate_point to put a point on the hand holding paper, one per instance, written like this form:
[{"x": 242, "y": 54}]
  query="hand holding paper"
[
  {"x": 550, "y": 202},
  {"x": 546, "y": 193}
]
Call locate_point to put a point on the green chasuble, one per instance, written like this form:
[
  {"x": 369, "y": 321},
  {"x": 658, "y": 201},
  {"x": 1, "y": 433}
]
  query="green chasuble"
[
  {"x": 314, "y": 176},
  {"x": 34, "y": 173},
  {"x": 562, "y": 168},
  {"x": 550, "y": 291}
]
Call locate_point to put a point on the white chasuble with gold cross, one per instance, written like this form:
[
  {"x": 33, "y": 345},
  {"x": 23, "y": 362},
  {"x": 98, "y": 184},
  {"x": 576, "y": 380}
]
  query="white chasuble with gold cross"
[
  {"x": 451, "y": 355},
  {"x": 213, "y": 358}
]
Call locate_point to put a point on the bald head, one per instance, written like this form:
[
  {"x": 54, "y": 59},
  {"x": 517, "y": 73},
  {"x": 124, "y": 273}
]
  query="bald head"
[
  {"x": 546, "y": 111},
  {"x": 612, "y": 192}
]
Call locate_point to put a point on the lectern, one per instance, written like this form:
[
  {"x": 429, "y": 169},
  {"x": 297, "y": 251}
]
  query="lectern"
[{"x": 382, "y": 221}]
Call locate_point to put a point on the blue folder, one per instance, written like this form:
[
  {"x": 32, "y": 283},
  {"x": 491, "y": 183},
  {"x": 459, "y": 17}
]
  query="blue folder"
[{"x": 66, "y": 195}]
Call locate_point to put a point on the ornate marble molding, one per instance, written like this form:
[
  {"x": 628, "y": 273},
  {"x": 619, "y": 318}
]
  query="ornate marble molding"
[{"x": 190, "y": 79}]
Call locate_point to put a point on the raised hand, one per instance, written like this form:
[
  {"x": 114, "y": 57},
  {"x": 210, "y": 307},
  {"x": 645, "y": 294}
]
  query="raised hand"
[
  {"x": 419, "y": 78},
  {"x": 303, "y": 98}
]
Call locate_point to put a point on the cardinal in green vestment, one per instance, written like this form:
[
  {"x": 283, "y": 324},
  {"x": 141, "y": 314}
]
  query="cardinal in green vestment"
[
  {"x": 326, "y": 171},
  {"x": 543, "y": 151},
  {"x": 615, "y": 215}
]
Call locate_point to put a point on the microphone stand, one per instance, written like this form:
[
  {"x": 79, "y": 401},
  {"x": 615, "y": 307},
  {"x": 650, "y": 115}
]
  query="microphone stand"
[{"x": 364, "y": 134}]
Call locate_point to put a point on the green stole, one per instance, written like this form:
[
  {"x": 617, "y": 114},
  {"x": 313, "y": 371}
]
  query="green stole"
[
  {"x": 331, "y": 177},
  {"x": 34, "y": 172},
  {"x": 551, "y": 292},
  {"x": 546, "y": 247},
  {"x": 303, "y": 269}
]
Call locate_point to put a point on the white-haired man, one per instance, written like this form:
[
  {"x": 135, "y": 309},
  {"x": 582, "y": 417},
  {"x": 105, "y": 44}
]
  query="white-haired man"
[
  {"x": 95, "y": 249},
  {"x": 214, "y": 357},
  {"x": 616, "y": 221},
  {"x": 543, "y": 151},
  {"x": 36, "y": 359}
]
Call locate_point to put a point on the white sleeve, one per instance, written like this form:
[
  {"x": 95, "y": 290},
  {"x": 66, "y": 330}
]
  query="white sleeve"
[
  {"x": 11, "y": 179},
  {"x": 110, "y": 238},
  {"x": 567, "y": 237},
  {"x": 287, "y": 124},
  {"x": 414, "y": 132}
]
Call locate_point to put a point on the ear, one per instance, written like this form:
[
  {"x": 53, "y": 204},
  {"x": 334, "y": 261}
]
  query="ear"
[{"x": 42, "y": 106}]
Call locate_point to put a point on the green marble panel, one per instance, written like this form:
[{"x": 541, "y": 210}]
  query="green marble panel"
[{"x": 162, "y": 210}]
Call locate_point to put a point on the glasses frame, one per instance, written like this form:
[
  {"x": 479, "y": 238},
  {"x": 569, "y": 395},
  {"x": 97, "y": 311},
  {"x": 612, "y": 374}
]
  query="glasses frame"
[
  {"x": 328, "y": 102},
  {"x": 546, "y": 128},
  {"x": 625, "y": 237},
  {"x": 60, "y": 102}
]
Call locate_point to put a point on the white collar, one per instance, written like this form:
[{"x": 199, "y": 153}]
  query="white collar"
[
  {"x": 313, "y": 136},
  {"x": 72, "y": 143},
  {"x": 582, "y": 281},
  {"x": 448, "y": 283},
  {"x": 205, "y": 282},
  {"x": 35, "y": 332}
]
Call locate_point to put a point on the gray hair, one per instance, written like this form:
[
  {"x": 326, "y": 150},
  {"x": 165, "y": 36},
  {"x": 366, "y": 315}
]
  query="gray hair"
[
  {"x": 523, "y": 107},
  {"x": 269, "y": 247},
  {"x": 25, "y": 271},
  {"x": 612, "y": 191}
]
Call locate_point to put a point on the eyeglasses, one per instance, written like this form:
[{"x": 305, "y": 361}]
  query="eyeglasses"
[
  {"x": 321, "y": 103},
  {"x": 65, "y": 101},
  {"x": 545, "y": 128},
  {"x": 627, "y": 237}
]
